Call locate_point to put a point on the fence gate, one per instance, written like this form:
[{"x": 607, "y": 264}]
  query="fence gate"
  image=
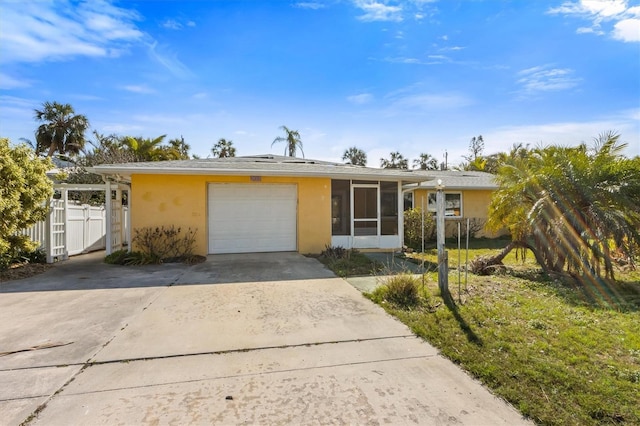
[{"x": 71, "y": 229}]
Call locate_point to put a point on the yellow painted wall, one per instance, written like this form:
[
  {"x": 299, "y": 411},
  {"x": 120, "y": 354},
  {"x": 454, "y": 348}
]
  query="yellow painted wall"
[
  {"x": 475, "y": 204},
  {"x": 165, "y": 200}
]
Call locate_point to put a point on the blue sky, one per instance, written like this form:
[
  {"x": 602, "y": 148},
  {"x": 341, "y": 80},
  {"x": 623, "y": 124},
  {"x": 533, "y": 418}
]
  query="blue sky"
[{"x": 413, "y": 76}]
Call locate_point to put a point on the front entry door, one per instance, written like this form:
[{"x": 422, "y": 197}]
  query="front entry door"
[{"x": 365, "y": 214}]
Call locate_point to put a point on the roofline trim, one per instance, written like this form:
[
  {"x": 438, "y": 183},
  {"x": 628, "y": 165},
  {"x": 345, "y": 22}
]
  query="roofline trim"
[{"x": 127, "y": 172}]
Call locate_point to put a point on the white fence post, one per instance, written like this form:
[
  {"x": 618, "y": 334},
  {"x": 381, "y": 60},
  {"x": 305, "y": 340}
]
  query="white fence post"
[
  {"x": 48, "y": 239},
  {"x": 65, "y": 221}
]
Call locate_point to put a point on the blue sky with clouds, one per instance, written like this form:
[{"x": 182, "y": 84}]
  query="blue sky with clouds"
[{"x": 383, "y": 75}]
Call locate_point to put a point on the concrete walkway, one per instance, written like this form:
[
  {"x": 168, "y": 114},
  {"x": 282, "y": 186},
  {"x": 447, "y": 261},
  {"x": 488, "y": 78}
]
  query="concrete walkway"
[{"x": 239, "y": 339}]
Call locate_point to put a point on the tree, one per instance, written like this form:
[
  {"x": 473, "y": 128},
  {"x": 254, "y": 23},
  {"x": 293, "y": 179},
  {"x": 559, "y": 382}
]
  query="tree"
[
  {"x": 61, "y": 130},
  {"x": 178, "y": 149},
  {"x": 292, "y": 141},
  {"x": 24, "y": 188},
  {"x": 476, "y": 148},
  {"x": 478, "y": 165},
  {"x": 145, "y": 149},
  {"x": 475, "y": 160},
  {"x": 574, "y": 207},
  {"x": 425, "y": 162},
  {"x": 223, "y": 149},
  {"x": 396, "y": 161},
  {"x": 355, "y": 156}
]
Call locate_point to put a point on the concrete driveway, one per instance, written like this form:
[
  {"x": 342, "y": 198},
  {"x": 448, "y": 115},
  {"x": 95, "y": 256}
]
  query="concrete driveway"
[{"x": 239, "y": 339}]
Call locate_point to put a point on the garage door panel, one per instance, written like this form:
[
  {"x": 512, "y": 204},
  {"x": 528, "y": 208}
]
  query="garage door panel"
[{"x": 252, "y": 218}]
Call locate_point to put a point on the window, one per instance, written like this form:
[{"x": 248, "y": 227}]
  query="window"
[
  {"x": 452, "y": 204},
  {"x": 340, "y": 207},
  {"x": 389, "y": 208},
  {"x": 408, "y": 201}
]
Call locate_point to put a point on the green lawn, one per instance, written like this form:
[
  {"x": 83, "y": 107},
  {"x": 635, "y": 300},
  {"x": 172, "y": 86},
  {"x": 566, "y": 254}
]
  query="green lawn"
[{"x": 561, "y": 354}]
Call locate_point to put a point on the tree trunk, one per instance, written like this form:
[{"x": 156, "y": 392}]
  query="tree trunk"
[{"x": 486, "y": 265}]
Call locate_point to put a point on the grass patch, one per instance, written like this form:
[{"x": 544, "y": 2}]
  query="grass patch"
[
  {"x": 348, "y": 263},
  {"x": 558, "y": 353}
]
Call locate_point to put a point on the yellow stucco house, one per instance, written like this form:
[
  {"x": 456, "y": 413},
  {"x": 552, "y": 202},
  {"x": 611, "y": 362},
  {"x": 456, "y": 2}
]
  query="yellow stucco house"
[
  {"x": 268, "y": 202},
  {"x": 467, "y": 196}
]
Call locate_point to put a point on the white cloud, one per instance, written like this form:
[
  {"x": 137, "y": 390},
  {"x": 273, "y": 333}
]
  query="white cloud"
[
  {"x": 360, "y": 99},
  {"x": 142, "y": 89},
  {"x": 622, "y": 21},
  {"x": 627, "y": 30},
  {"x": 626, "y": 123},
  {"x": 168, "y": 60},
  {"x": 420, "y": 102},
  {"x": 378, "y": 11},
  {"x": 403, "y": 60},
  {"x": 171, "y": 24},
  {"x": 7, "y": 82},
  {"x": 38, "y": 31},
  {"x": 176, "y": 24},
  {"x": 546, "y": 79},
  {"x": 309, "y": 5},
  {"x": 121, "y": 128}
]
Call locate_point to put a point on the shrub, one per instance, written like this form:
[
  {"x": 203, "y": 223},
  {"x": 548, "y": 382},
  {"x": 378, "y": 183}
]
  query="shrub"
[
  {"x": 135, "y": 258},
  {"x": 165, "y": 244},
  {"x": 24, "y": 189},
  {"x": 476, "y": 225},
  {"x": 401, "y": 290},
  {"x": 413, "y": 227},
  {"x": 117, "y": 257},
  {"x": 24, "y": 255},
  {"x": 124, "y": 257},
  {"x": 335, "y": 252},
  {"x": 34, "y": 256},
  {"x": 345, "y": 262}
]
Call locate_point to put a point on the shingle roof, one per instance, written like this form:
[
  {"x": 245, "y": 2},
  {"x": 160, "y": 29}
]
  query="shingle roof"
[
  {"x": 454, "y": 179},
  {"x": 260, "y": 165}
]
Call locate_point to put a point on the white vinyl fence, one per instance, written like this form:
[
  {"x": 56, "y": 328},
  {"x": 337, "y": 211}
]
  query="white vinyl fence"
[{"x": 72, "y": 228}]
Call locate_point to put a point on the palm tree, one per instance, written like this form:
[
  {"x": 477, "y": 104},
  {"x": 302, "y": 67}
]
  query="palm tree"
[
  {"x": 292, "y": 140},
  {"x": 61, "y": 130},
  {"x": 425, "y": 162},
  {"x": 355, "y": 156},
  {"x": 223, "y": 149},
  {"x": 478, "y": 164},
  {"x": 145, "y": 149},
  {"x": 495, "y": 161},
  {"x": 572, "y": 206},
  {"x": 178, "y": 149},
  {"x": 396, "y": 161}
]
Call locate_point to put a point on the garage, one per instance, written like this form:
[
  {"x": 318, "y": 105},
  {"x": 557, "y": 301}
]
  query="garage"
[{"x": 246, "y": 218}]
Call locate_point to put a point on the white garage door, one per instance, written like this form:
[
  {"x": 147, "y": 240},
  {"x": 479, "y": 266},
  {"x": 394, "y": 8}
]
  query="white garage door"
[{"x": 245, "y": 218}]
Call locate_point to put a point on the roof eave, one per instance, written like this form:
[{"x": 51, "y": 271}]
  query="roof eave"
[{"x": 126, "y": 172}]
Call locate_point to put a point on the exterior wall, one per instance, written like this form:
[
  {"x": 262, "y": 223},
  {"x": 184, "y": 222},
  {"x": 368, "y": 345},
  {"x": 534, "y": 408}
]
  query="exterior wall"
[
  {"x": 165, "y": 200},
  {"x": 475, "y": 205}
]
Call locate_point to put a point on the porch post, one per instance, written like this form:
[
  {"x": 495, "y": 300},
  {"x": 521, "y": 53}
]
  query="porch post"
[
  {"x": 120, "y": 239},
  {"x": 128, "y": 219},
  {"x": 107, "y": 205},
  {"x": 401, "y": 215}
]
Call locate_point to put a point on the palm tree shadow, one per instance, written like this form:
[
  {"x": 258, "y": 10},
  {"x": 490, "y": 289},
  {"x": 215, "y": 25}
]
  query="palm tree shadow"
[{"x": 472, "y": 337}]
